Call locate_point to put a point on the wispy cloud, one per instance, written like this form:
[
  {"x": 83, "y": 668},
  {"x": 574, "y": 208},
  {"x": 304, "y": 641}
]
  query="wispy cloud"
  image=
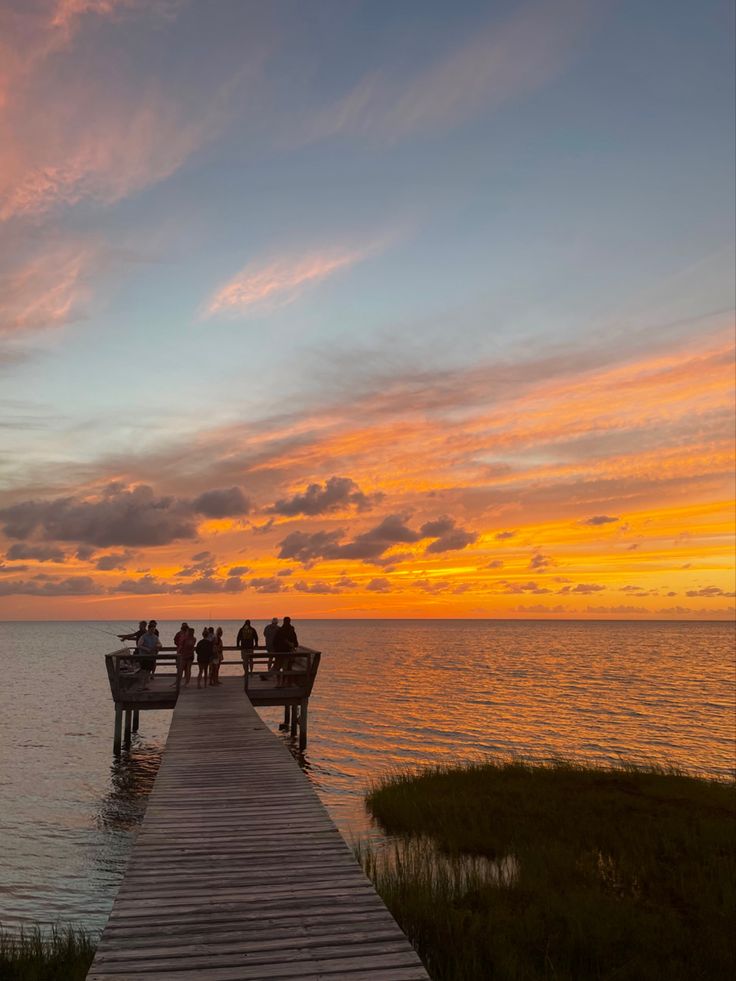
[
  {"x": 45, "y": 290},
  {"x": 104, "y": 158},
  {"x": 504, "y": 61},
  {"x": 33, "y": 31},
  {"x": 280, "y": 280},
  {"x": 66, "y": 14},
  {"x": 65, "y": 140}
]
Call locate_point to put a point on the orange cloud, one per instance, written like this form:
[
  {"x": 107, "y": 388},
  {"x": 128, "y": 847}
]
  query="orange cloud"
[{"x": 650, "y": 443}]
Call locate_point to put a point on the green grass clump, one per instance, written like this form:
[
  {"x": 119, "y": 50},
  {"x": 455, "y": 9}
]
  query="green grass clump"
[
  {"x": 60, "y": 954},
  {"x": 520, "y": 871}
]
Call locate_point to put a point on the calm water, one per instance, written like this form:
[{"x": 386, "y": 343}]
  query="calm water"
[{"x": 388, "y": 694}]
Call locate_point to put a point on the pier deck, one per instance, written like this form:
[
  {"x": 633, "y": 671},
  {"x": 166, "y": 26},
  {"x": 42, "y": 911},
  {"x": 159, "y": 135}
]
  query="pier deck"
[
  {"x": 269, "y": 678},
  {"x": 238, "y": 873}
]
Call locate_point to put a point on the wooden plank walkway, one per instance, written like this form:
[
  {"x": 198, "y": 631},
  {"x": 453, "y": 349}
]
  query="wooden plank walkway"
[{"x": 238, "y": 872}]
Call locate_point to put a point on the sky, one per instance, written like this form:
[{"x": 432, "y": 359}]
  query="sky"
[{"x": 366, "y": 309}]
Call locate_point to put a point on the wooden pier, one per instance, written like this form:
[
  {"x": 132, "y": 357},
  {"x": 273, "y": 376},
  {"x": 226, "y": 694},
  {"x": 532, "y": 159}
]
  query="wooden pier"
[
  {"x": 238, "y": 873},
  {"x": 268, "y": 679}
]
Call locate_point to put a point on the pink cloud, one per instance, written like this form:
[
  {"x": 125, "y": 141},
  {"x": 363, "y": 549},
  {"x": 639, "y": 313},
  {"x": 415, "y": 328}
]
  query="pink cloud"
[
  {"x": 47, "y": 289},
  {"x": 280, "y": 280},
  {"x": 114, "y": 152},
  {"x": 67, "y": 13},
  {"x": 40, "y": 28},
  {"x": 65, "y": 140}
]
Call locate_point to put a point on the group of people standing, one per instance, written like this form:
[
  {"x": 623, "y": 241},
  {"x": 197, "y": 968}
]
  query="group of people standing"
[
  {"x": 278, "y": 639},
  {"x": 209, "y": 651}
]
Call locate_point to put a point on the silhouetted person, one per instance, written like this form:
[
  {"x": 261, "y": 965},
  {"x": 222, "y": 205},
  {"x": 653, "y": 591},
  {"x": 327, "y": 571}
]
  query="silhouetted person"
[
  {"x": 185, "y": 648},
  {"x": 217, "y": 655},
  {"x": 148, "y": 644},
  {"x": 137, "y": 634},
  {"x": 285, "y": 639},
  {"x": 247, "y": 640},
  {"x": 153, "y": 626},
  {"x": 284, "y": 642},
  {"x": 268, "y": 633},
  {"x": 204, "y": 656}
]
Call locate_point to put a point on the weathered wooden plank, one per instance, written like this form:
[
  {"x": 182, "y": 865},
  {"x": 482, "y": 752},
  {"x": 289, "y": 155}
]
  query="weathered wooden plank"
[
  {"x": 391, "y": 973},
  {"x": 238, "y": 872},
  {"x": 287, "y": 931},
  {"x": 234, "y": 916},
  {"x": 276, "y": 952},
  {"x": 304, "y": 967}
]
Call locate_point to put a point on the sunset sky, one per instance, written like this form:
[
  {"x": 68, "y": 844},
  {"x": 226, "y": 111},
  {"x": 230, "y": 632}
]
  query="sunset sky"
[{"x": 365, "y": 308}]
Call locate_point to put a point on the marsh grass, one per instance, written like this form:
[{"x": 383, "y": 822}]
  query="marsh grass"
[
  {"x": 511, "y": 870},
  {"x": 59, "y": 954}
]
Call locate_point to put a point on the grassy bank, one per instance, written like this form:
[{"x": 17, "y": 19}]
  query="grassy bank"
[
  {"x": 59, "y": 954},
  {"x": 515, "y": 871}
]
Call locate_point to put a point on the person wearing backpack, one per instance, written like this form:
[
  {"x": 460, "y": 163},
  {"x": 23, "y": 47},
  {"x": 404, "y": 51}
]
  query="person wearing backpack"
[{"x": 247, "y": 641}]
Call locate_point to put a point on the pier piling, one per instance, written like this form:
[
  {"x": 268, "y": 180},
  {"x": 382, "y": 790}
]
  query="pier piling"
[
  {"x": 118, "y": 731},
  {"x": 303, "y": 717}
]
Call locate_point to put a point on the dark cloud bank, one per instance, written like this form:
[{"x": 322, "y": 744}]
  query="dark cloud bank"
[
  {"x": 370, "y": 546},
  {"x": 120, "y": 516},
  {"x": 336, "y": 493}
]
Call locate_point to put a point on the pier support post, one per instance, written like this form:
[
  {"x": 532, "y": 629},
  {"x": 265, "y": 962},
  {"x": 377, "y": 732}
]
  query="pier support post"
[
  {"x": 118, "y": 732},
  {"x": 285, "y": 723},
  {"x": 303, "y": 719},
  {"x": 293, "y": 721},
  {"x": 136, "y": 716},
  {"x": 126, "y": 732}
]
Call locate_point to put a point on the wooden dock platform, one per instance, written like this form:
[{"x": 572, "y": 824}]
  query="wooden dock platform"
[
  {"x": 238, "y": 873},
  {"x": 269, "y": 678}
]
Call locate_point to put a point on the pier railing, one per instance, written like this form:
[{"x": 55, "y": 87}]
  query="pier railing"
[
  {"x": 267, "y": 671},
  {"x": 127, "y": 680},
  {"x": 269, "y": 678}
]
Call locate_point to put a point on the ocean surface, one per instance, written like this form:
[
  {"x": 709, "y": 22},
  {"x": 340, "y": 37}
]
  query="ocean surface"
[{"x": 389, "y": 694}]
